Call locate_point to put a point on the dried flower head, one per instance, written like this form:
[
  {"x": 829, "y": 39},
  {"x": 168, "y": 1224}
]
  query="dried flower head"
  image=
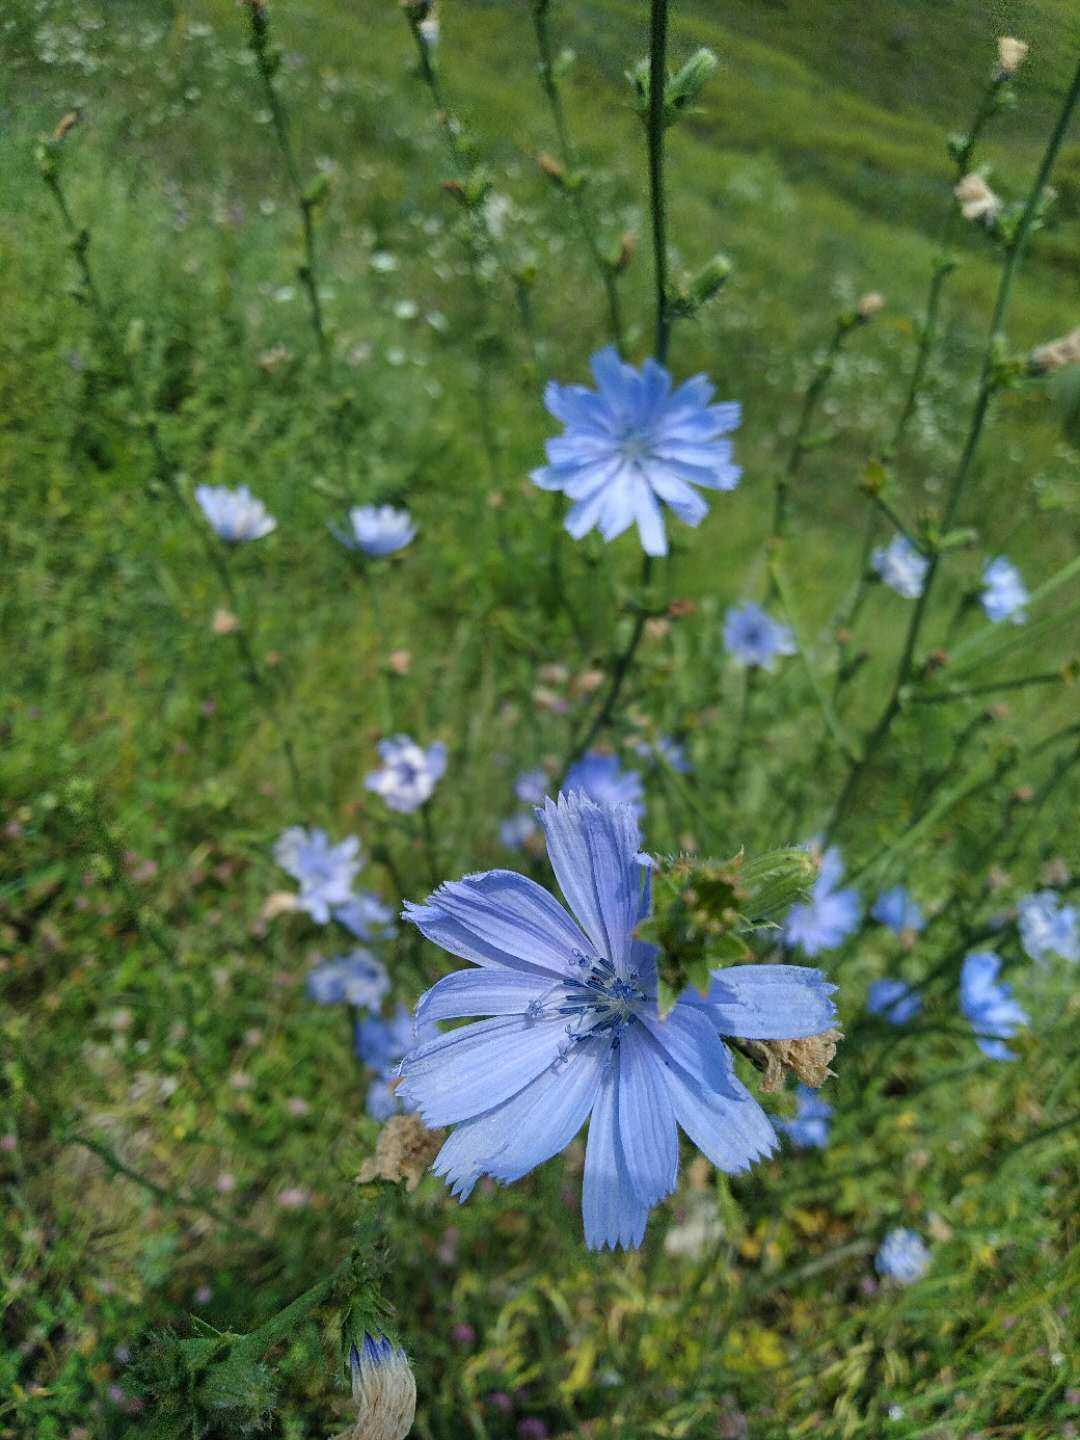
[
  {"x": 1055, "y": 354},
  {"x": 384, "y": 1390},
  {"x": 1011, "y": 54},
  {"x": 404, "y": 1150},
  {"x": 809, "y": 1059},
  {"x": 977, "y": 200},
  {"x": 869, "y": 304}
]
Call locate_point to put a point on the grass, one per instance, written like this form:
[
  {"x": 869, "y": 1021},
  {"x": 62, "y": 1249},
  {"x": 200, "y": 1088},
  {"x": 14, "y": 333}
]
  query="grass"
[{"x": 152, "y": 1011}]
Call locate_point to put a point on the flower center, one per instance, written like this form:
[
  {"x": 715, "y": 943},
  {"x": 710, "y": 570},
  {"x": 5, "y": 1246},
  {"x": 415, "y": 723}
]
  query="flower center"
[
  {"x": 597, "y": 1001},
  {"x": 635, "y": 446}
]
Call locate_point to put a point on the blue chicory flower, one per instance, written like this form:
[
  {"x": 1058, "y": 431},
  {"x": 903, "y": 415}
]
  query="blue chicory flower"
[
  {"x": 325, "y": 872},
  {"x": 575, "y": 1033},
  {"x": 601, "y": 777},
  {"x": 809, "y": 1130},
  {"x": 667, "y": 751},
  {"x": 894, "y": 1000},
  {"x": 753, "y": 637},
  {"x": 1048, "y": 927},
  {"x": 517, "y": 829},
  {"x": 234, "y": 515},
  {"x": 376, "y": 530},
  {"x": 829, "y": 916},
  {"x": 901, "y": 566},
  {"x": 531, "y": 786},
  {"x": 897, "y": 909},
  {"x": 1004, "y": 594},
  {"x": 409, "y": 774},
  {"x": 988, "y": 1004},
  {"x": 358, "y": 978},
  {"x": 634, "y": 444},
  {"x": 366, "y": 917},
  {"x": 902, "y": 1256},
  {"x": 380, "y": 1044}
]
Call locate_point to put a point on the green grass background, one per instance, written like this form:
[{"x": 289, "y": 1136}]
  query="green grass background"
[{"x": 817, "y": 163}]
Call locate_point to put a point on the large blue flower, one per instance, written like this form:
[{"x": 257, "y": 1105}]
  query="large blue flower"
[
  {"x": 575, "y": 1033},
  {"x": 988, "y": 1004},
  {"x": 634, "y": 443},
  {"x": 601, "y": 777}
]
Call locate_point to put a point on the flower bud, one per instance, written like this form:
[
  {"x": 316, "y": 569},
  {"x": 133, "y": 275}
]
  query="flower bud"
[
  {"x": 709, "y": 280},
  {"x": 977, "y": 200},
  {"x": 622, "y": 255},
  {"x": 1011, "y": 54},
  {"x": 383, "y": 1388}
]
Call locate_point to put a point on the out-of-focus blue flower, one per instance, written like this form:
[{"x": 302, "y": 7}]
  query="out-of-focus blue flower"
[
  {"x": 531, "y": 786},
  {"x": 902, "y": 1256},
  {"x": 894, "y": 1000},
  {"x": 901, "y": 566},
  {"x": 575, "y": 1031},
  {"x": 1048, "y": 927},
  {"x": 234, "y": 515},
  {"x": 325, "y": 872},
  {"x": 988, "y": 1004},
  {"x": 634, "y": 445},
  {"x": 376, "y": 529},
  {"x": 809, "y": 1130},
  {"x": 409, "y": 774},
  {"x": 753, "y": 637},
  {"x": 829, "y": 916},
  {"x": 358, "y": 978},
  {"x": 380, "y": 1044},
  {"x": 1004, "y": 593},
  {"x": 667, "y": 751},
  {"x": 517, "y": 829},
  {"x": 601, "y": 777},
  {"x": 366, "y": 917},
  {"x": 897, "y": 909}
]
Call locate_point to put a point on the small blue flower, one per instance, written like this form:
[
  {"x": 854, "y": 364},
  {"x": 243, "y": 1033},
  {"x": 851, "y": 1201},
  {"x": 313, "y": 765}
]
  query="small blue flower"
[
  {"x": 634, "y": 445},
  {"x": 753, "y": 637},
  {"x": 901, "y": 567},
  {"x": 325, "y": 872},
  {"x": 234, "y": 515},
  {"x": 898, "y": 910},
  {"x": 988, "y": 1004},
  {"x": 358, "y": 978},
  {"x": 1004, "y": 593},
  {"x": 366, "y": 917},
  {"x": 376, "y": 530},
  {"x": 667, "y": 751},
  {"x": 517, "y": 829},
  {"x": 902, "y": 1256},
  {"x": 1048, "y": 927},
  {"x": 894, "y": 1000},
  {"x": 531, "y": 786},
  {"x": 380, "y": 1044},
  {"x": 603, "y": 780},
  {"x": 575, "y": 1033},
  {"x": 409, "y": 774},
  {"x": 830, "y": 915},
  {"x": 809, "y": 1130}
]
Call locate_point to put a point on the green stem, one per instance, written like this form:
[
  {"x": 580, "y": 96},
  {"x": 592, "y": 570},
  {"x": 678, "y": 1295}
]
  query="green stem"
[
  {"x": 573, "y": 188},
  {"x": 657, "y": 83},
  {"x": 266, "y": 61},
  {"x": 987, "y": 387},
  {"x": 1051, "y": 677}
]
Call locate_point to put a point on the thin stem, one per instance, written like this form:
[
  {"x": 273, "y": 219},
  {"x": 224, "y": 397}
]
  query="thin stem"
[
  {"x": 165, "y": 472},
  {"x": 1050, "y": 677},
  {"x": 381, "y": 666},
  {"x": 572, "y": 186},
  {"x": 657, "y": 82},
  {"x": 267, "y": 60},
  {"x": 988, "y": 383}
]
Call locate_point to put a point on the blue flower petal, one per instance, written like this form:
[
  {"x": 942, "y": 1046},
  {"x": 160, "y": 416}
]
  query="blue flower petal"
[
  {"x": 480, "y": 992},
  {"x": 612, "y": 1212},
  {"x": 593, "y": 852},
  {"x": 770, "y": 1002},
  {"x": 472, "y": 1069},
  {"x": 647, "y": 1130},
  {"x": 731, "y": 1133}
]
